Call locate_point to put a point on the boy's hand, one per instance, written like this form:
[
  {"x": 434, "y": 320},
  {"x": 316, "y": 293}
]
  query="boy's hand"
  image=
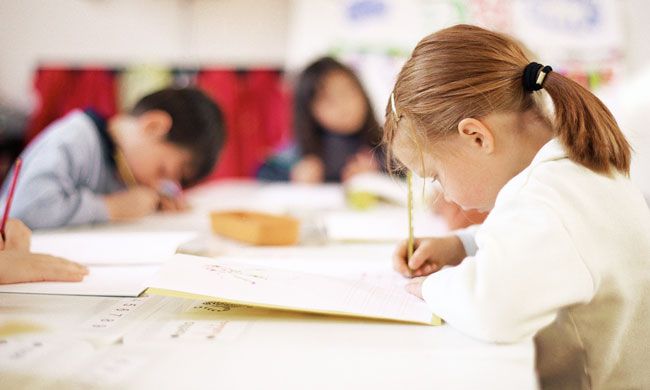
[
  {"x": 361, "y": 162},
  {"x": 17, "y": 236},
  {"x": 136, "y": 202},
  {"x": 20, "y": 267},
  {"x": 173, "y": 204},
  {"x": 308, "y": 170},
  {"x": 429, "y": 256}
]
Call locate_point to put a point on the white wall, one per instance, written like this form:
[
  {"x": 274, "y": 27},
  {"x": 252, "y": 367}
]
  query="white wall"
[
  {"x": 637, "y": 32},
  {"x": 176, "y": 32},
  {"x": 122, "y": 32}
]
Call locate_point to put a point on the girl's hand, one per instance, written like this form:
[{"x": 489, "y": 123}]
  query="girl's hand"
[
  {"x": 361, "y": 162},
  {"x": 17, "y": 236},
  {"x": 308, "y": 170},
  {"x": 415, "y": 286},
  {"x": 429, "y": 256},
  {"x": 20, "y": 266}
]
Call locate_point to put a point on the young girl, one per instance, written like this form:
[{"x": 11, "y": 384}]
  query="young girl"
[
  {"x": 19, "y": 265},
  {"x": 335, "y": 129},
  {"x": 564, "y": 254}
]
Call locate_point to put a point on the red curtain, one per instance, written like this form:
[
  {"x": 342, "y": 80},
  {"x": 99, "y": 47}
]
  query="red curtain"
[
  {"x": 61, "y": 90},
  {"x": 256, "y": 106}
]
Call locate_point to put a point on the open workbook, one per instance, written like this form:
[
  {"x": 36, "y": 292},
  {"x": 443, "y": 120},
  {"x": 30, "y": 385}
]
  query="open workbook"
[{"x": 234, "y": 281}]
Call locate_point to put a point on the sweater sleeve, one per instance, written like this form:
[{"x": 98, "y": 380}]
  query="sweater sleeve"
[
  {"x": 526, "y": 268},
  {"x": 468, "y": 237},
  {"x": 52, "y": 190}
]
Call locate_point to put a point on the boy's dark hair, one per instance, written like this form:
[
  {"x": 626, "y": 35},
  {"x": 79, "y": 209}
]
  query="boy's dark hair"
[
  {"x": 197, "y": 125},
  {"x": 308, "y": 132}
]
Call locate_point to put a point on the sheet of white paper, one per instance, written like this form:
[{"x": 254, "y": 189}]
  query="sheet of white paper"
[
  {"x": 232, "y": 280},
  {"x": 112, "y": 281},
  {"x": 99, "y": 320},
  {"x": 46, "y": 362},
  {"x": 192, "y": 321},
  {"x": 111, "y": 248},
  {"x": 33, "y": 362},
  {"x": 386, "y": 225}
]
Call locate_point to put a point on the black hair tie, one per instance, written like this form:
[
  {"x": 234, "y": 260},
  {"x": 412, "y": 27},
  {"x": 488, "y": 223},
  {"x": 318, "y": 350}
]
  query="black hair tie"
[{"x": 534, "y": 76}]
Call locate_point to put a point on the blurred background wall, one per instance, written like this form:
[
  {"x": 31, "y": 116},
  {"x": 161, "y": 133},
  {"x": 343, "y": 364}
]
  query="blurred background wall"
[{"x": 601, "y": 43}]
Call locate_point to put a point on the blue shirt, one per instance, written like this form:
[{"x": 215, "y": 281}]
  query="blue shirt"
[
  {"x": 67, "y": 170},
  {"x": 337, "y": 150}
]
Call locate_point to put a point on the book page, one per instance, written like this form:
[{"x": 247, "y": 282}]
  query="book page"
[{"x": 238, "y": 282}]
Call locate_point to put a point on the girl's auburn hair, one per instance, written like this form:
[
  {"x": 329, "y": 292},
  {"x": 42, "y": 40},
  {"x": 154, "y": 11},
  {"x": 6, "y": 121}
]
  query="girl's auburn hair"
[{"x": 466, "y": 71}]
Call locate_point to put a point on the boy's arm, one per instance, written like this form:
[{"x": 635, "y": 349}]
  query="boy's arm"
[{"x": 51, "y": 190}]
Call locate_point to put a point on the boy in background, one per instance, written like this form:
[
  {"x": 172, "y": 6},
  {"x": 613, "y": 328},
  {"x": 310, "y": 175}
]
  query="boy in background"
[{"x": 85, "y": 169}]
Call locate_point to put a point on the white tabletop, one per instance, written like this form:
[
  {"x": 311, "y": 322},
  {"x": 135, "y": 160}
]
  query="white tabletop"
[{"x": 156, "y": 342}]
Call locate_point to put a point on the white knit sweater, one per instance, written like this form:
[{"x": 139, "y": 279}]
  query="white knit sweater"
[{"x": 563, "y": 257}]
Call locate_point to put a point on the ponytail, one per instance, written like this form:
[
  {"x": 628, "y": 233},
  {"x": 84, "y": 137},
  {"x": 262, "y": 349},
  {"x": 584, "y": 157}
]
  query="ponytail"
[
  {"x": 465, "y": 71},
  {"x": 586, "y": 128}
]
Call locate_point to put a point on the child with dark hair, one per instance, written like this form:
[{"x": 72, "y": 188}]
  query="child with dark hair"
[
  {"x": 86, "y": 169},
  {"x": 335, "y": 129}
]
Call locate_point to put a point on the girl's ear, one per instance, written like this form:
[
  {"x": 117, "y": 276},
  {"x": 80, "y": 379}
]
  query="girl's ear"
[
  {"x": 155, "y": 123},
  {"x": 476, "y": 135}
]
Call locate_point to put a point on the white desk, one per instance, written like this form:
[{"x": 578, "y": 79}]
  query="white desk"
[{"x": 173, "y": 343}]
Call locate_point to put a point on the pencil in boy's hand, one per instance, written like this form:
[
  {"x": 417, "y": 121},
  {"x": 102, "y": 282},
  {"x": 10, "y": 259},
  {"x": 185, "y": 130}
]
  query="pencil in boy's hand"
[
  {"x": 409, "y": 205},
  {"x": 123, "y": 169},
  {"x": 10, "y": 196}
]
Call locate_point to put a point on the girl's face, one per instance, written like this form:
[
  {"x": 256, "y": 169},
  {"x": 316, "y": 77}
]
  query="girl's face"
[
  {"x": 339, "y": 105},
  {"x": 473, "y": 164},
  {"x": 466, "y": 176}
]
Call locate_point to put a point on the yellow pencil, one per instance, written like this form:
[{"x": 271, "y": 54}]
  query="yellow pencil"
[
  {"x": 409, "y": 205},
  {"x": 124, "y": 170}
]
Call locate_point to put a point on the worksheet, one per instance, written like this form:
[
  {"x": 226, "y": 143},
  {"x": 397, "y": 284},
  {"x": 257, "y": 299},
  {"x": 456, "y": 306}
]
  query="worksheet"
[
  {"x": 233, "y": 281},
  {"x": 185, "y": 321}
]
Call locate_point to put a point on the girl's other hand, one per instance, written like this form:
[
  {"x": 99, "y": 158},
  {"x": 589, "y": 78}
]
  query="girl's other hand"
[
  {"x": 454, "y": 215},
  {"x": 415, "y": 286}
]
